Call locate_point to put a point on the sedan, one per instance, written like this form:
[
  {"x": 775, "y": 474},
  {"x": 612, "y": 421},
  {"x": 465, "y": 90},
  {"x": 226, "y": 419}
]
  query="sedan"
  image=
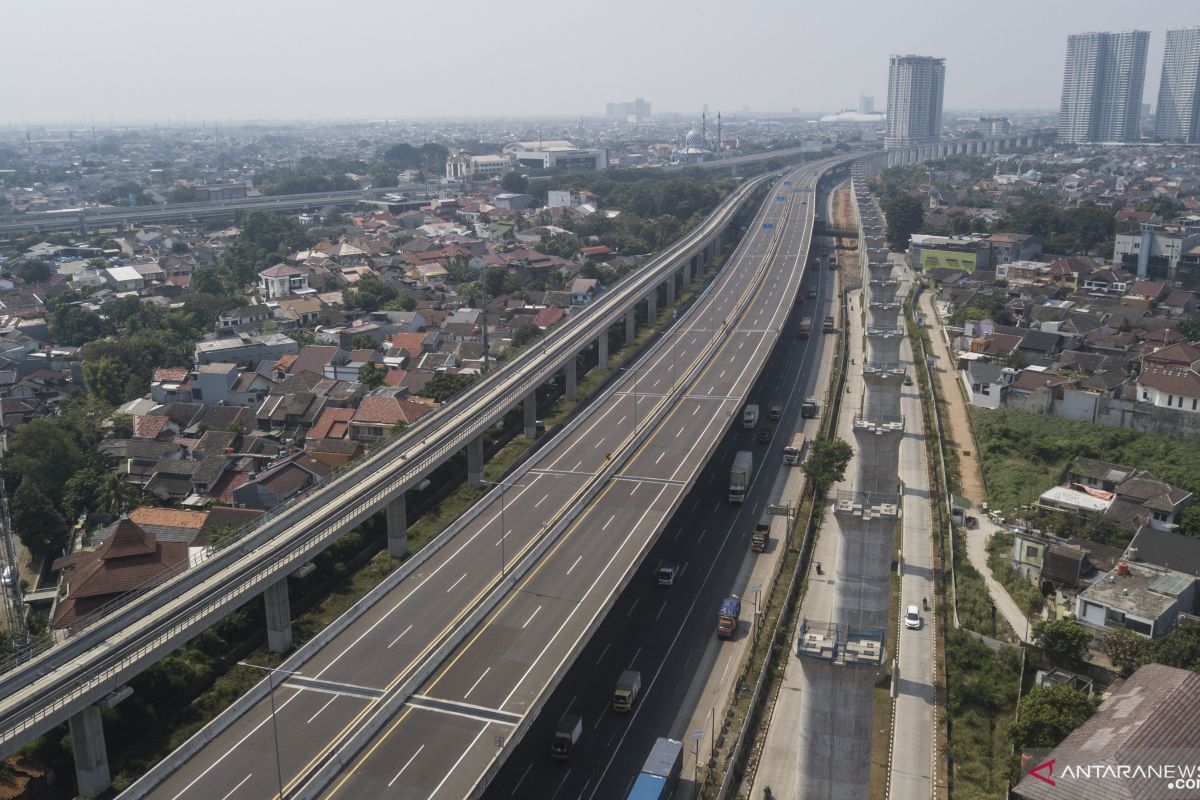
[{"x": 912, "y": 618}]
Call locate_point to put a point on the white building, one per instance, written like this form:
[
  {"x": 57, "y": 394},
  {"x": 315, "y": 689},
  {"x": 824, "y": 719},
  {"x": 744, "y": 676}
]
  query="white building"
[
  {"x": 557, "y": 154},
  {"x": 1175, "y": 119},
  {"x": 914, "y": 104},
  {"x": 461, "y": 165},
  {"x": 282, "y": 280},
  {"x": 124, "y": 279},
  {"x": 1102, "y": 87}
]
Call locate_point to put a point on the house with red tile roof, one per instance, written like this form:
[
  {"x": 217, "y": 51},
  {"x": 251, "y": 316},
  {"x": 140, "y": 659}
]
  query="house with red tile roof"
[{"x": 376, "y": 416}]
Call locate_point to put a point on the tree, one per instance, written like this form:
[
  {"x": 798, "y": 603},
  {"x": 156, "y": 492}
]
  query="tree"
[
  {"x": 1125, "y": 649},
  {"x": 443, "y": 386},
  {"x": 32, "y": 271},
  {"x": 514, "y": 182},
  {"x": 115, "y": 495},
  {"x": 1189, "y": 329},
  {"x": 362, "y": 342},
  {"x": 75, "y": 326},
  {"x": 826, "y": 464},
  {"x": 122, "y": 426},
  {"x": 38, "y": 524},
  {"x": 371, "y": 376},
  {"x": 106, "y": 378},
  {"x": 1063, "y": 640},
  {"x": 905, "y": 215},
  {"x": 79, "y": 492},
  {"x": 525, "y": 334},
  {"x": 43, "y": 452},
  {"x": 370, "y": 293},
  {"x": 1047, "y": 714}
]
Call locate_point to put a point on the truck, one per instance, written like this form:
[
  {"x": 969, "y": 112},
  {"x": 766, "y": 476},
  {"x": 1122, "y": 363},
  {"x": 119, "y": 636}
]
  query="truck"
[
  {"x": 750, "y": 416},
  {"x": 727, "y": 617},
  {"x": 628, "y": 686},
  {"x": 794, "y": 450},
  {"x": 761, "y": 535},
  {"x": 805, "y": 327},
  {"x": 810, "y": 408},
  {"x": 739, "y": 476},
  {"x": 660, "y": 774},
  {"x": 827, "y": 325},
  {"x": 566, "y": 736}
]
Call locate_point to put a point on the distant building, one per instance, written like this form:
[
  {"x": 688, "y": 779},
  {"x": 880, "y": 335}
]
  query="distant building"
[
  {"x": 1177, "y": 118},
  {"x": 966, "y": 253},
  {"x": 914, "y": 106},
  {"x": 461, "y": 165},
  {"x": 636, "y": 111},
  {"x": 1155, "y": 251},
  {"x": 246, "y": 348},
  {"x": 1102, "y": 87},
  {"x": 866, "y": 104},
  {"x": 282, "y": 280},
  {"x": 557, "y": 154}
]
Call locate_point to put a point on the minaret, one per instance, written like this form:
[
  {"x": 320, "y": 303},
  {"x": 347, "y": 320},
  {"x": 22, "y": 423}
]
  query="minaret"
[
  {"x": 703, "y": 130},
  {"x": 718, "y": 133}
]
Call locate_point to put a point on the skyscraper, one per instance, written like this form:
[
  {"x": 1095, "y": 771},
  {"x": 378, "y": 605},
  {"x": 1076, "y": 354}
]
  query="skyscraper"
[
  {"x": 1178, "y": 115},
  {"x": 1102, "y": 87},
  {"x": 914, "y": 101}
]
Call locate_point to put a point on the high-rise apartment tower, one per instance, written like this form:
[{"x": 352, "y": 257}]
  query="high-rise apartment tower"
[
  {"x": 1102, "y": 87},
  {"x": 914, "y": 101}
]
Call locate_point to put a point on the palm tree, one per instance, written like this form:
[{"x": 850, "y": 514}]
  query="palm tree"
[{"x": 116, "y": 496}]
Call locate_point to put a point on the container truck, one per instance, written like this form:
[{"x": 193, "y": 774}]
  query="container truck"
[
  {"x": 805, "y": 328},
  {"x": 566, "y": 736},
  {"x": 727, "y": 617},
  {"x": 628, "y": 686},
  {"x": 810, "y": 408},
  {"x": 750, "y": 416},
  {"x": 739, "y": 476},
  {"x": 660, "y": 774}
]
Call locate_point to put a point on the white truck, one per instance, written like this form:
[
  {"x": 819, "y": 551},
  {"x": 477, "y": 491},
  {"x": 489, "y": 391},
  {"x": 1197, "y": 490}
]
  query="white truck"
[
  {"x": 750, "y": 416},
  {"x": 739, "y": 476},
  {"x": 628, "y": 686}
]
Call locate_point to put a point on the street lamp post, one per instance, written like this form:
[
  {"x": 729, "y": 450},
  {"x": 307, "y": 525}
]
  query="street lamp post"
[
  {"x": 503, "y": 530},
  {"x": 756, "y": 590},
  {"x": 274, "y": 728}
]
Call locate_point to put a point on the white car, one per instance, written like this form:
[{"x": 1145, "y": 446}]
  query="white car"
[{"x": 912, "y": 618}]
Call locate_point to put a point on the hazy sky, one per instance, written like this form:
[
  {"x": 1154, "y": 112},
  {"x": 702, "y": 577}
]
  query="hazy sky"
[{"x": 122, "y": 60}]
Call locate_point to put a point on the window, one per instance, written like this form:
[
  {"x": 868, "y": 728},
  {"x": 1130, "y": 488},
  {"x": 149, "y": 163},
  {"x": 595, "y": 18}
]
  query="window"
[
  {"x": 1170, "y": 400},
  {"x": 1031, "y": 551},
  {"x": 1114, "y": 617},
  {"x": 1137, "y": 626}
]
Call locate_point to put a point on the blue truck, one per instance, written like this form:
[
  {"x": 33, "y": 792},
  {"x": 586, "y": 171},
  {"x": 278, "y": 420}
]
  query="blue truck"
[{"x": 660, "y": 773}]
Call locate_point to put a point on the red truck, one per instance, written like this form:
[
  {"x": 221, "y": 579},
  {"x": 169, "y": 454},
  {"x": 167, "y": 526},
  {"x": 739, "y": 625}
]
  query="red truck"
[{"x": 727, "y": 618}]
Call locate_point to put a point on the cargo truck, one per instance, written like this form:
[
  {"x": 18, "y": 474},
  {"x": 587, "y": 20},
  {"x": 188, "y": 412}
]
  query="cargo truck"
[
  {"x": 566, "y": 736},
  {"x": 750, "y": 416},
  {"x": 739, "y": 476},
  {"x": 805, "y": 328},
  {"x": 794, "y": 450},
  {"x": 727, "y": 617},
  {"x": 827, "y": 325},
  {"x": 660, "y": 774},
  {"x": 810, "y": 408},
  {"x": 761, "y": 536},
  {"x": 628, "y": 686}
]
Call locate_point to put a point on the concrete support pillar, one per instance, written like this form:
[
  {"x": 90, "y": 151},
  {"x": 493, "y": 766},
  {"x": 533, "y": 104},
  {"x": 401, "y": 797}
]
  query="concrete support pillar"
[
  {"x": 572, "y": 369},
  {"x": 475, "y": 461},
  {"x": 530, "y": 404},
  {"x": 279, "y": 617},
  {"x": 397, "y": 527},
  {"x": 652, "y": 306},
  {"x": 630, "y": 325},
  {"x": 602, "y": 349},
  {"x": 91, "y": 758},
  {"x": 671, "y": 289}
]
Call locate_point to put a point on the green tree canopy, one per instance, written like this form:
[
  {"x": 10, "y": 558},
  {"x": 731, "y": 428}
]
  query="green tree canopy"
[
  {"x": 370, "y": 375},
  {"x": 1047, "y": 714},
  {"x": 37, "y": 521},
  {"x": 443, "y": 386},
  {"x": 1064, "y": 640},
  {"x": 905, "y": 216},
  {"x": 826, "y": 464},
  {"x": 514, "y": 182},
  {"x": 525, "y": 334},
  {"x": 75, "y": 326}
]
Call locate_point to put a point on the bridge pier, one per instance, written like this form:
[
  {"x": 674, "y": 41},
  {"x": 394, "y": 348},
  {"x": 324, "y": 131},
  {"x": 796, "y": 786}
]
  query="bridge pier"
[
  {"x": 475, "y": 461},
  {"x": 91, "y": 758},
  {"x": 602, "y": 349},
  {"x": 531, "y": 415},
  {"x": 572, "y": 374},
  {"x": 279, "y": 617},
  {"x": 630, "y": 326},
  {"x": 397, "y": 526},
  {"x": 652, "y": 306},
  {"x": 671, "y": 289}
]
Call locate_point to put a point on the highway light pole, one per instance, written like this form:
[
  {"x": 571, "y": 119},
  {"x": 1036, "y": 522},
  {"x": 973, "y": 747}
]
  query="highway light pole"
[
  {"x": 274, "y": 728},
  {"x": 503, "y": 531}
]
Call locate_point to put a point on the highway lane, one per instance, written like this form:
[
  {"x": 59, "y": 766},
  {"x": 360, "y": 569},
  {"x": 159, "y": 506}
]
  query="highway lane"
[
  {"x": 407, "y": 623},
  {"x": 668, "y": 633},
  {"x": 500, "y": 673}
]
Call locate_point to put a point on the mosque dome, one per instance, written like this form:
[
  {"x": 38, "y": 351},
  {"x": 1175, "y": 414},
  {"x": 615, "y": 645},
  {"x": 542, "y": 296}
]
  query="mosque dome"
[{"x": 693, "y": 140}]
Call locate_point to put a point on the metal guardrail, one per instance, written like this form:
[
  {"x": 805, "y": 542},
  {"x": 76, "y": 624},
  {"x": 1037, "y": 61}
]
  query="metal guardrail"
[{"x": 267, "y": 569}]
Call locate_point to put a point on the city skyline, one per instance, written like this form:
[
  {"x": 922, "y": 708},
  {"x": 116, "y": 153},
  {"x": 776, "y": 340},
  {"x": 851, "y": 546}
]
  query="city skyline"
[{"x": 762, "y": 59}]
